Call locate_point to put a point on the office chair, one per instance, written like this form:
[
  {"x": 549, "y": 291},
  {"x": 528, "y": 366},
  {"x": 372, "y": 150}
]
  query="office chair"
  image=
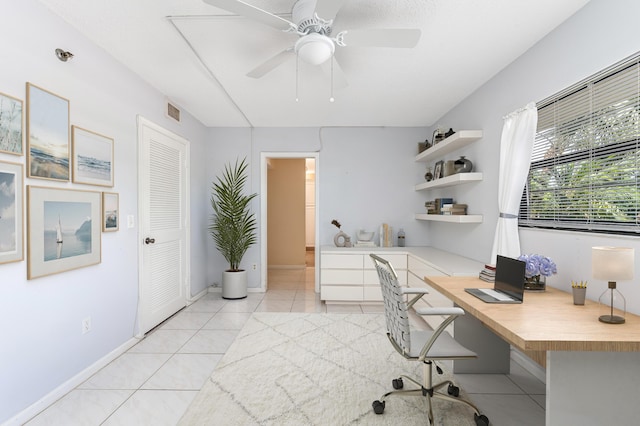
[{"x": 423, "y": 346}]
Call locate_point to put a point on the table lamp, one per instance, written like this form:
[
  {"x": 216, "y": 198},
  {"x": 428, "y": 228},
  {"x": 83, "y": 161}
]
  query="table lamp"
[{"x": 612, "y": 264}]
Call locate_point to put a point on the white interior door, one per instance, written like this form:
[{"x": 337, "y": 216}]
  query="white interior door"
[{"x": 163, "y": 212}]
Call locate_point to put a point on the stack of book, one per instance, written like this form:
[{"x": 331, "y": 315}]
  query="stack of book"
[
  {"x": 457, "y": 209},
  {"x": 488, "y": 273},
  {"x": 435, "y": 206}
]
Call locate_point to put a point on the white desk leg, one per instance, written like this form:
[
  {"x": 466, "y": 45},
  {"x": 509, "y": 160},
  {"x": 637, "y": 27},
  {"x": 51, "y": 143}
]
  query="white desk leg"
[
  {"x": 592, "y": 388},
  {"x": 493, "y": 352}
]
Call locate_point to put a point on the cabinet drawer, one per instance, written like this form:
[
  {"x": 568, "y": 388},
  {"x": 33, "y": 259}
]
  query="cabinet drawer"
[
  {"x": 371, "y": 277},
  {"x": 340, "y": 276},
  {"x": 342, "y": 293},
  {"x": 398, "y": 261},
  {"x": 372, "y": 293},
  {"x": 341, "y": 261},
  {"x": 421, "y": 269}
]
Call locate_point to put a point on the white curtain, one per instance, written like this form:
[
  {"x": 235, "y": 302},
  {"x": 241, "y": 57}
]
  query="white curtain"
[{"x": 518, "y": 134}]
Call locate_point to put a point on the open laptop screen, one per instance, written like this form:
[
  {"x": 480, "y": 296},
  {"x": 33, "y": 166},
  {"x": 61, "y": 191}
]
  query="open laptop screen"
[{"x": 510, "y": 276}]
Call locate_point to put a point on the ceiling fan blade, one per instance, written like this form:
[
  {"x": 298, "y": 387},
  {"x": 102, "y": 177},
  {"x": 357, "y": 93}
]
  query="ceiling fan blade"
[
  {"x": 252, "y": 12},
  {"x": 271, "y": 63},
  {"x": 328, "y": 9},
  {"x": 339, "y": 78},
  {"x": 389, "y": 37}
]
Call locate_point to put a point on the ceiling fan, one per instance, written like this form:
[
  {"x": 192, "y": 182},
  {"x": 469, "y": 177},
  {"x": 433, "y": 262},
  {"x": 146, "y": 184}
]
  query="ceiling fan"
[{"x": 312, "y": 22}]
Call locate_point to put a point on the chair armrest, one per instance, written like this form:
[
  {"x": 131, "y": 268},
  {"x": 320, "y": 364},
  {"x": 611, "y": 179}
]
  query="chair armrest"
[
  {"x": 440, "y": 311},
  {"x": 418, "y": 292},
  {"x": 413, "y": 290}
]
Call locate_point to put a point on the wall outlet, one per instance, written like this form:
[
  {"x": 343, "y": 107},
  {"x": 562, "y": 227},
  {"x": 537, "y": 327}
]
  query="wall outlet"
[
  {"x": 215, "y": 285},
  {"x": 86, "y": 325},
  {"x": 254, "y": 266}
]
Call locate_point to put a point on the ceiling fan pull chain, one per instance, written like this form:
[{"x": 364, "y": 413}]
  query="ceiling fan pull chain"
[
  {"x": 331, "y": 99},
  {"x": 297, "y": 60}
]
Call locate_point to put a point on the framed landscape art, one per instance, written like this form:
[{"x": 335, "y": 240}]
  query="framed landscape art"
[
  {"x": 47, "y": 135},
  {"x": 92, "y": 157},
  {"x": 11, "y": 202},
  {"x": 110, "y": 216},
  {"x": 63, "y": 230},
  {"x": 10, "y": 125}
]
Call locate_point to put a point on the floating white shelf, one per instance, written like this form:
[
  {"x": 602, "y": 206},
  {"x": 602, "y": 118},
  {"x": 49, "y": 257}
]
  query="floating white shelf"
[
  {"x": 457, "y": 179},
  {"x": 457, "y": 140},
  {"x": 463, "y": 218}
]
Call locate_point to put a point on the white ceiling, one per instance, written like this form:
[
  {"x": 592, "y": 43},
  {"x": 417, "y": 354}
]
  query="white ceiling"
[{"x": 198, "y": 56}]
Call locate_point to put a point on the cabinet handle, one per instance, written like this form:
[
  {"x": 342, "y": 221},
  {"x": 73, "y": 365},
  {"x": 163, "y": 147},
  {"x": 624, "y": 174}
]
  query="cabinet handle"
[{"x": 149, "y": 240}]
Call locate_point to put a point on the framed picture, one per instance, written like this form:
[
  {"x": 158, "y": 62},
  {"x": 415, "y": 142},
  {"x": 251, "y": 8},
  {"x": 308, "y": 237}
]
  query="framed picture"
[
  {"x": 10, "y": 125},
  {"x": 92, "y": 157},
  {"x": 437, "y": 171},
  {"x": 63, "y": 230},
  {"x": 11, "y": 202},
  {"x": 47, "y": 135},
  {"x": 110, "y": 216}
]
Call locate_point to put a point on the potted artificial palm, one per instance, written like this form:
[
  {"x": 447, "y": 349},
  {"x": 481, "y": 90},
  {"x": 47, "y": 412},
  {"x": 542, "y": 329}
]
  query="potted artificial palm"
[{"x": 233, "y": 226}]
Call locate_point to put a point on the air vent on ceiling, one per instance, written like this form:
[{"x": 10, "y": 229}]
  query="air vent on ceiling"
[{"x": 173, "y": 111}]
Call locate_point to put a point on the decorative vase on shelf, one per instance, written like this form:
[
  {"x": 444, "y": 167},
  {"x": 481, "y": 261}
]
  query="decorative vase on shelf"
[
  {"x": 535, "y": 283},
  {"x": 341, "y": 239},
  {"x": 428, "y": 176},
  {"x": 463, "y": 165}
]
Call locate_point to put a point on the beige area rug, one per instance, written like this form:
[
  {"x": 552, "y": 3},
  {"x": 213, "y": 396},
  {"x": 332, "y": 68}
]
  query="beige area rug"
[{"x": 313, "y": 369}]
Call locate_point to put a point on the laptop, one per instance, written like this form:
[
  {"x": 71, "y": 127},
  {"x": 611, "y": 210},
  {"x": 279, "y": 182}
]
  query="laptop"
[{"x": 509, "y": 283}]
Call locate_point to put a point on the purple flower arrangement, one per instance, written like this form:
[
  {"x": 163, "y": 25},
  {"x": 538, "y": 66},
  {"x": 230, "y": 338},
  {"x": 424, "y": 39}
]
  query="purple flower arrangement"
[{"x": 538, "y": 265}]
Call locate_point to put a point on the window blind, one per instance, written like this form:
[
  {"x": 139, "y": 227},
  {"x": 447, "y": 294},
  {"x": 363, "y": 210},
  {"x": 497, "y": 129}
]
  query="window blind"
[{"x": 585, "y": 160}]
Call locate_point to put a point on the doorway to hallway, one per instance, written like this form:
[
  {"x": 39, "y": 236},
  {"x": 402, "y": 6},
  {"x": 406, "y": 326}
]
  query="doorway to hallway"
[{"x": 288, "y": 216}]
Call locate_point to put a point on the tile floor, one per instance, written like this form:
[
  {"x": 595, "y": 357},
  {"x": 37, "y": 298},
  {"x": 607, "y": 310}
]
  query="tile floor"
[{"x": 154, "y": 382}]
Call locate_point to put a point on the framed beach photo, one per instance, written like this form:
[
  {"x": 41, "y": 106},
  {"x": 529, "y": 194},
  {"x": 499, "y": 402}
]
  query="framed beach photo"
[
  {"x": 63, "y": 230},
  {"x": 11, "y": 135},
  {"x": 110, "y": 216},
  {"x": 11, "y": 212},
  {"x": 47, "y": 135},
  {"x": 92, "y": 157}
]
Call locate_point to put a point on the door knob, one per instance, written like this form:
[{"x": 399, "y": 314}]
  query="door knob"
[{"x": 149, "y": 240}]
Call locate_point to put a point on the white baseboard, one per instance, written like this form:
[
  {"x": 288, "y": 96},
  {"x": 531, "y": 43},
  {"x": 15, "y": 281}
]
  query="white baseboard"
[{"x": 44, "y": 402}]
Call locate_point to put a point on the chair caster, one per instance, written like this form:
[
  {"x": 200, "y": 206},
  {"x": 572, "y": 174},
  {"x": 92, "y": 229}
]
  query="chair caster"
[
  {"x": 378, "y": 407},
  {"x": 481, "y": 420},
  {"x": 453, "y": 390},
  {"x": 397, "y": 383}
]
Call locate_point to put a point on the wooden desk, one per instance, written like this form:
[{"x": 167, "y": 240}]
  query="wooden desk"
[{"x": 593, "y": 368}]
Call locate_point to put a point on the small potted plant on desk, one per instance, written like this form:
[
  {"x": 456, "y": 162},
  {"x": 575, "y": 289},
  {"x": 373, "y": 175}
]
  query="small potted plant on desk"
[
  {"x": 233, "y": 226},
  {"x": 538, "y": 268}
]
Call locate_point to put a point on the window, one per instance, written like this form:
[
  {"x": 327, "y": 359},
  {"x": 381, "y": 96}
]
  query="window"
[{"x": 585, "y": 161}]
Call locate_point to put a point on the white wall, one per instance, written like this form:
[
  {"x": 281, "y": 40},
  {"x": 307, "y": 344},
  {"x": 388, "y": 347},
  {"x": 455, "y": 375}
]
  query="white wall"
[
  {"x": 40, "y": 320},
  {"x": 365, "y": 176},
  {"x": 599, "y": 35}
]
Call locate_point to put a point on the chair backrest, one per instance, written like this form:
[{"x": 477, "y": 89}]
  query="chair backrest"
[{"x": 395, "y": 306}]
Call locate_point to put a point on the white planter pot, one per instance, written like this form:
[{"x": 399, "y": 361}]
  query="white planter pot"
[{"x": 234, "y": 285}]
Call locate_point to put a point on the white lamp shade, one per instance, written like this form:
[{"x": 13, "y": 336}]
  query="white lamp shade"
[
  {"x": 314, "y": 48},
  {"x": 612, "y": 263}
]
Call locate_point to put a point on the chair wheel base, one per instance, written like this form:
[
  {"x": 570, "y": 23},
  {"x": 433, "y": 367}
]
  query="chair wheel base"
[
  {"x": 397, "y": 383},
  {"x": 453, "y": 390},
  {"x": 481, "y": 420},
  {"x": 378, "y": 407}
]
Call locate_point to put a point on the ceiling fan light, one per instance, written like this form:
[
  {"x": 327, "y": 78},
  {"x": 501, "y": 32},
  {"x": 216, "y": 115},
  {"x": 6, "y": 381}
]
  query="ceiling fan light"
[{"x": 315, "y": 48}]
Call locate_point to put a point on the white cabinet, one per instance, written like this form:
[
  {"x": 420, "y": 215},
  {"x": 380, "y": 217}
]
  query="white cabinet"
[
  {"x": 417, "y": 269},
  {"x": 347, "y": 275},
  {"x": 454, "y": 142}
]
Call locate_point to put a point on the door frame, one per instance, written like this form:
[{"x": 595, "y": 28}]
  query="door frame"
[
  {"x": 264, "y": 157},
  {"x": 141, "y": 122}
]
